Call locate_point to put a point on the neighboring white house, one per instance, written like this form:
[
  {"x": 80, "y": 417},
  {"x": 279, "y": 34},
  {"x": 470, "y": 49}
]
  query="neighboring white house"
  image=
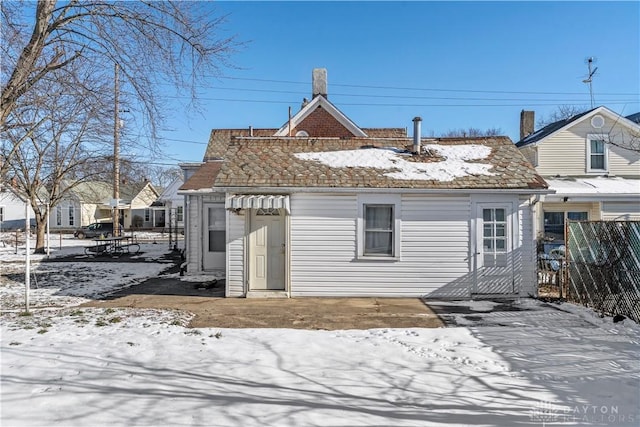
[
  {"x": 91, "y": 201},
  {"x": 592, "y": 161},
  {"x": 169, "y": 207},
  {"x": 322, "y": 207},
  {"x": 12, "y": 209}
]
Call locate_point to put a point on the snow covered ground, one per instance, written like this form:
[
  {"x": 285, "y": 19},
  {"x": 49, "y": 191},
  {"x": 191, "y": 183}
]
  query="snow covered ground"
[{"x": 541, "y": 365}]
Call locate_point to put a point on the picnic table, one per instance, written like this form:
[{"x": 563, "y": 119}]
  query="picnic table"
[{"x": 113, "y": 246}]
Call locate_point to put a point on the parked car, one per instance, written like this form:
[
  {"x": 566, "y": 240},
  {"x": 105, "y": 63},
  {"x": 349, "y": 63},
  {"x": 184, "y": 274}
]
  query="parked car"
[{"x": 97, "y": 229}]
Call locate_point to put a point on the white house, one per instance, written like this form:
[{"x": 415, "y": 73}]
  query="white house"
[
  {"x": 12, "y": 209},
  {"x": 90, "y": 201},
  {"x": 169, "y": 207},
  {"x": 322, "y": 207},
  {"x": 591, "y": 161}
]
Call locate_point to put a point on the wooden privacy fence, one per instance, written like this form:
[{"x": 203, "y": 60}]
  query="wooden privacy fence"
[{"x": 603, "y": 266}]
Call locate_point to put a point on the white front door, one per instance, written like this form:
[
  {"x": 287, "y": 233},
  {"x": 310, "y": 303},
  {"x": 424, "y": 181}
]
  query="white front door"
[
  {"x": 213, "y": 251},
  {"x": 267, "y": 250},
  {"x": 494, "y": 243}
]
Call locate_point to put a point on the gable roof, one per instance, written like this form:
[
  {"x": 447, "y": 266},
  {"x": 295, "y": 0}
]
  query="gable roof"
[
  {"x": 96, "y": 192},
  {"x": 219, "y": 140},
  {"x": 171, "y": 190},
  {"x": 634, "y": 117},
  {"x": 17, "y": 194},
  {"x": 320, "y": 102},
  {"x": 203, "y": 178},
  {"x": 283, "y": 162},
  {"x": 555, "y": 127},
  {"x": 100, "y": 192}
]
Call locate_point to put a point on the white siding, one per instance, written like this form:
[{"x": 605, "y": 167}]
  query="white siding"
[
  {"x": 235, "y": 254},
  {"x": 193, "y": 236},
  {"x": 592, "y": 208},
  {"x": 14, "y": 207},
  {"x": 525, "y": 256},
  {"x": 621, "y": 211},
  {"x": 565, "y": 152},
  {"x": 434, "y": 249}
]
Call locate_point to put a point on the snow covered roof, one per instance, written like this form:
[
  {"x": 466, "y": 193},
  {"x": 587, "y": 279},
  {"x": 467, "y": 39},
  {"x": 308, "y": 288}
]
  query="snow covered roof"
[
  {"x": 445, "y": 163},
  {"x": 596, "y": 188}
]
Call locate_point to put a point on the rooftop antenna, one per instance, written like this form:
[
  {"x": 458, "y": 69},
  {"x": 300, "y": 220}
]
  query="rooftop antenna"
[{"x": 590, "y": 78}]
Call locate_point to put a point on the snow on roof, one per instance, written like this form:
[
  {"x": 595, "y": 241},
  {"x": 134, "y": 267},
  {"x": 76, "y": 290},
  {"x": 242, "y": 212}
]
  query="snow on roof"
[
  {"x": 455, "y": 164},
  {"x": 595, "y": 185}
]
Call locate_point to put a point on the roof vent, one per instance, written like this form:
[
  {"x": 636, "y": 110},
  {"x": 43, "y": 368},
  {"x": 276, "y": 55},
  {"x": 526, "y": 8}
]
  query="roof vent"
[
  {"x": 597, "y": 121},
  {"x": 417, "y": 131}
]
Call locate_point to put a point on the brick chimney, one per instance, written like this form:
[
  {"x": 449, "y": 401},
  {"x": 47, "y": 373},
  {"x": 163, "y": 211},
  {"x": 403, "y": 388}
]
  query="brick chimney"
[
  {"x": 527, "y": 119},
  {"x": 319, "y": 82}
]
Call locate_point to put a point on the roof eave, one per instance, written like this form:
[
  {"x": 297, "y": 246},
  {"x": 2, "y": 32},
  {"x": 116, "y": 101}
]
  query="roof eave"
[{"x": 287, "y": 190}]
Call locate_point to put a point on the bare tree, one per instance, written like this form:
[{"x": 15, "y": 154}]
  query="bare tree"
[
  {"x": 153, "y": 43},
  {"x": 561, "y": 112},
  {"x": 472, "y": 132},
  {"x": 70, "y": 138},
  {"x": 56, "y": 109},
  {"x": 621, "y": 136}
]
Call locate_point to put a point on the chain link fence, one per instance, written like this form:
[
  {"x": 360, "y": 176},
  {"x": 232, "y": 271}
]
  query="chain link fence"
[{"x": 603, "y": 266}]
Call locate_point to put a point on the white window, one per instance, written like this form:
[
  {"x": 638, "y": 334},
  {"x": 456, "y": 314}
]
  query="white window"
[
  {"x": 495, "y": 230},
  {"x": 71, "y": 217},
  {"x": 597, "y": 153},
  {"x": 147, "y": 215},
  {"x": 379, "y": 227},
  {"x": 179, "y": 213},
  {"x": 59, "y": 216}
]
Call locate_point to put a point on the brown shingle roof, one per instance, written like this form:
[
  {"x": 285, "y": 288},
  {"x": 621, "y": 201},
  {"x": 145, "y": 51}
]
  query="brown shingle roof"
[
  {"x": 219, "y": 140},
  {"x": 385, "y": 132},
  {"x": 270, "y": 162},
  {"x": 204, "y": 177}
]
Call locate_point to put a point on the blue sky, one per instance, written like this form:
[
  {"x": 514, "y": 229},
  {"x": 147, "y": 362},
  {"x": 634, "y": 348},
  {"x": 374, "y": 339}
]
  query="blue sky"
[{"x": 455, "y": 64}]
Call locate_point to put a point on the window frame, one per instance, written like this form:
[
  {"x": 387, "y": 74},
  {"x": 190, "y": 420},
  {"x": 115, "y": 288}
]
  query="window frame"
[
  {"x": 147, "y": 215},
  {"x": 1, "y": 213},
  {"x": 59, "y": 216},
  {"x": 605, "y": 154},
  {"x": 179, "y": 213},
  {"x": 71, "y": 215},
  {"x": 565, "y": 217},
  {"x": 392, "y": 201}
]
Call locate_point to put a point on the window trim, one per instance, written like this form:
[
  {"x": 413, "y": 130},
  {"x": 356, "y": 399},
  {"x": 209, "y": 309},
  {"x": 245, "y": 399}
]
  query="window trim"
[
  {"x": 565, "y": 216},
  {"x": 147, "y": 215},
  {"x": 71, "y": 216},
  {"x": 597, "y": 137},
  {"x": 179, "y": 213},
  {"x": 393, "y": 200},
  {"x": 2, "y": 213}
]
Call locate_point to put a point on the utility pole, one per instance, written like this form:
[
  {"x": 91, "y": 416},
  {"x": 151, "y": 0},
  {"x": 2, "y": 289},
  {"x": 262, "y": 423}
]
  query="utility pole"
[{"x": 116, "y": 155}]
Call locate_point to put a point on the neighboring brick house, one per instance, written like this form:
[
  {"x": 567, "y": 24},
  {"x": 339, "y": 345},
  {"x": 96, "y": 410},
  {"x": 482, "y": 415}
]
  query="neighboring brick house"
[{"x": 322, "y": 207}]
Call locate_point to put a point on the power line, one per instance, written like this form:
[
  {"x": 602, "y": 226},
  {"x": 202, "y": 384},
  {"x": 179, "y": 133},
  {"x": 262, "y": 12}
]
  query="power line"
[
  {"x": 396, "y": 96},
  {"x": 263, "y": 101},
  {"x": 423, "y": 89}
]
